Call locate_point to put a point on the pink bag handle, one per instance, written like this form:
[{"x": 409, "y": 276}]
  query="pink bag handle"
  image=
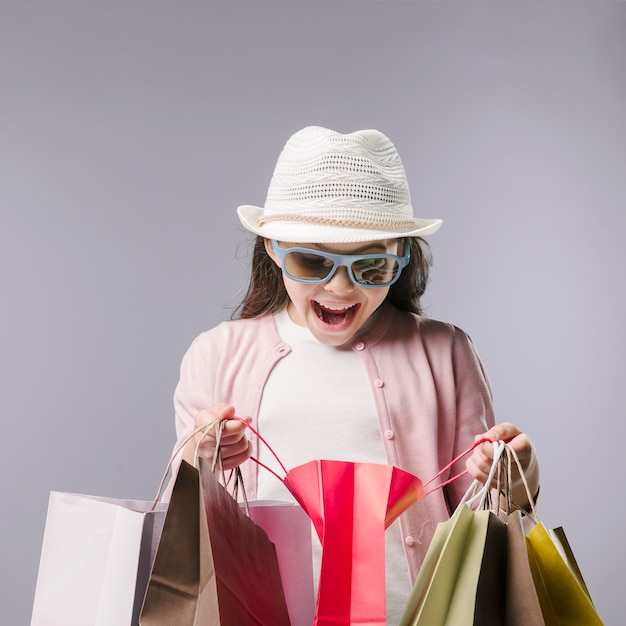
[
  {"x": 267, "y": 445},
  {"x": 449, "y": 465},
  {"x": 439, "y": 473}
]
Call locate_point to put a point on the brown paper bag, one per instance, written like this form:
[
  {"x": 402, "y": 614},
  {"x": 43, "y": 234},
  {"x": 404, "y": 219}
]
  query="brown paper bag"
[
  {"x": 214, "y": 565},
  {"x": 522, "y": 603}
]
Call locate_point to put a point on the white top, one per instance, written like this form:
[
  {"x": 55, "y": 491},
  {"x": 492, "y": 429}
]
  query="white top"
[{"x": 318, "y": 404}]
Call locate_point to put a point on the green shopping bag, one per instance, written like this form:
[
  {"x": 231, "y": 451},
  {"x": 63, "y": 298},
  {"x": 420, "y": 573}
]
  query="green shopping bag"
[{"x": 462, "y": 580}]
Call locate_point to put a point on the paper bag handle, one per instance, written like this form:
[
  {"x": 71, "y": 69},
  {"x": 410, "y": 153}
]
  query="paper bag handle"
[{"x": 218, "y": 424}]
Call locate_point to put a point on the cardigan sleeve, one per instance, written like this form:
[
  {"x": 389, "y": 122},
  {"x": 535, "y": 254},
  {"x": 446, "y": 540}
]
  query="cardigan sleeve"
[
  {"x": 474, "y": 405},
  {"x": 193, "y": 393}
]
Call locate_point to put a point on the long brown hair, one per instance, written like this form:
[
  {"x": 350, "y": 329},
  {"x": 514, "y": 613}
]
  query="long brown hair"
[{"x": 267, "y": 294}]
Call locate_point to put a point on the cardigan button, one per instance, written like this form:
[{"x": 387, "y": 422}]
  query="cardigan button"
[
  {"x": 410, "y": 541},
  {"x": 359, "y": 345},
  {"x": 389, "y": 434},
  {"x": 379, "y": 383}
]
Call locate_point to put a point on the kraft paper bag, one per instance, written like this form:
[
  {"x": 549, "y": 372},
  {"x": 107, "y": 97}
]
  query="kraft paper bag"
[
  {"x": 522, "y": 602},
  {"x": 214, "y": 565},
  {"x": 95, "y": 560}
]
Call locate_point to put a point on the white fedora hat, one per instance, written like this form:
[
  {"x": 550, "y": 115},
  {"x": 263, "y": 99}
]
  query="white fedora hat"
[{"x": 330, "y": 187}]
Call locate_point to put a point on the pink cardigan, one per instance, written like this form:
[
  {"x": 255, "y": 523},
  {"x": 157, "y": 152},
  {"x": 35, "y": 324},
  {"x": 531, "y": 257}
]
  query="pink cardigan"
[{"x": 431, "y": 392}]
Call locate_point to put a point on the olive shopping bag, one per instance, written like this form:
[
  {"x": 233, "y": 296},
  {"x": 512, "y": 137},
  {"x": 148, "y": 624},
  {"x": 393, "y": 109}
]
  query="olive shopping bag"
[{"x": 461, "y": 581}]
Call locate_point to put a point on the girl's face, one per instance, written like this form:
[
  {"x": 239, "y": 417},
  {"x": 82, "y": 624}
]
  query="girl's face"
[{"x": 337, "y": 311}]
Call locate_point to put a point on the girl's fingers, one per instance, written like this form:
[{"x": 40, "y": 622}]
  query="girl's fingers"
[
  {"x": 233, "y": 441},
  {"x": 230, "y": 462},
  {"x": 234, "y": 430}
]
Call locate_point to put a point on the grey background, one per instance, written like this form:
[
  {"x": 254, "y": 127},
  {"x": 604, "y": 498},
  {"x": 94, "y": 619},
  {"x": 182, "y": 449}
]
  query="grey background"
[{"x": 130, "y": 131}]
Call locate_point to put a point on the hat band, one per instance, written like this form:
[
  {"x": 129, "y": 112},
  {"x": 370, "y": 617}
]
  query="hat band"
[{"x": 314, "y": 219}]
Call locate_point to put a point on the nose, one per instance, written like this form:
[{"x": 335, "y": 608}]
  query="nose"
[{"x": 340, "y": 281}]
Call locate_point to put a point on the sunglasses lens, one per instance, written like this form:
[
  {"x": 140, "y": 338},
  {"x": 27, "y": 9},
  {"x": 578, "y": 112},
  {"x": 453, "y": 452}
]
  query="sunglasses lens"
[
  {"x": 376, "y": 271},
  {"x": 372, "y": 270},
  {"x": 308, "y": 265}
]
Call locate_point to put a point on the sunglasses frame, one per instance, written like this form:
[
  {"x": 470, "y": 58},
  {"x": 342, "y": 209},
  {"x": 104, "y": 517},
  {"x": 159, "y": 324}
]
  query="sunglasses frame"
[{"x": 342, "y": 260}]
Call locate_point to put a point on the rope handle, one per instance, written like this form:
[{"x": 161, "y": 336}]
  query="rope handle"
[
  {"x": 483, "y": 490},
  {"x": 501, "y": 472},
  {"x": 511, "y": 506},
  {"x": 218, "y": 424},
  {"x": 449, "y": 465},
  {"x": 267, "y": 445}
]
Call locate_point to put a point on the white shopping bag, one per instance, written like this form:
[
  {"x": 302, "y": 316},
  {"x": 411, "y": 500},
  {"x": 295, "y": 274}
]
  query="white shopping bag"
[{"x": 96, "y": 559}]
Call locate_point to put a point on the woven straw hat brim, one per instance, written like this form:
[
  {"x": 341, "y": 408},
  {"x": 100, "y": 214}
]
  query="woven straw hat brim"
[{"x": 311, "y": 232}]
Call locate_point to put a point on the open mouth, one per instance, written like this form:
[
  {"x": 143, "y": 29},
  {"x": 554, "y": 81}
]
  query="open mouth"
[{"x": 335, "y": 314}]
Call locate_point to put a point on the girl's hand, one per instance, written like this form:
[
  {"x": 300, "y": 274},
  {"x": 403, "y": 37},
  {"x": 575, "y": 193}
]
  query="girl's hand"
[
  {"x": 235, "y": 447},
  {"x": 479, "y": 464}
]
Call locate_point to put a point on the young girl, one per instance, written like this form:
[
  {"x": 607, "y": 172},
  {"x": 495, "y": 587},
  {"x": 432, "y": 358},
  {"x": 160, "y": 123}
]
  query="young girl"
[{"x": 331, "y": 357}]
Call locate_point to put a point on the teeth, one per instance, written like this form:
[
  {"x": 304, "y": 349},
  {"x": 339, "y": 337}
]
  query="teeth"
[{"x": 336, "y": 307}]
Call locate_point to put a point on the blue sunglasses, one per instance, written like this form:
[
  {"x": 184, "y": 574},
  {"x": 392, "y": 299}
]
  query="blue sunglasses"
[{"x": 306, "y": 265}]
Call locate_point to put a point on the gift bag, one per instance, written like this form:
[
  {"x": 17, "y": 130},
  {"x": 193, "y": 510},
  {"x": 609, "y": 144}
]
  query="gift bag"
[
  {"x": 562, "y": 593},
  {"x": 95, "y": 560},
  {"x": 214, "y": 565}
]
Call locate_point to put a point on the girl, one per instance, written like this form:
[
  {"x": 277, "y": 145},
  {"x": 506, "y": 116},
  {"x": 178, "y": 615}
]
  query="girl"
[{"x": 331, "y": 356}]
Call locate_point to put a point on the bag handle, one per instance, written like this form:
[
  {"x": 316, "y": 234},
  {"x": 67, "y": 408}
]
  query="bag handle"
[
  {"x": 511, "y": 457},
  {"x": 480, "y": 490},
  {"x": 501, "y": 470},
  {"x": 439, "y": 473},
  {"x": 218, "y": 425},
  {"x": 449, "y": 465},
  {"x": 267, "y": 445}
]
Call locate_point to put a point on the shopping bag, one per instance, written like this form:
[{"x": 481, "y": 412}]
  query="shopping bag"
[
  {"x": 95, "y": 560},
  {"x": 461, "y": 581},
  {"x": 462, "y": 578},
  {"x": 522, "y": 602},
  {"x": 214, "y": 565},
  {"x": 288, "y": 527},
  {"x": 351, "y": 505},
  {"x": 562, "y": 592}
]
